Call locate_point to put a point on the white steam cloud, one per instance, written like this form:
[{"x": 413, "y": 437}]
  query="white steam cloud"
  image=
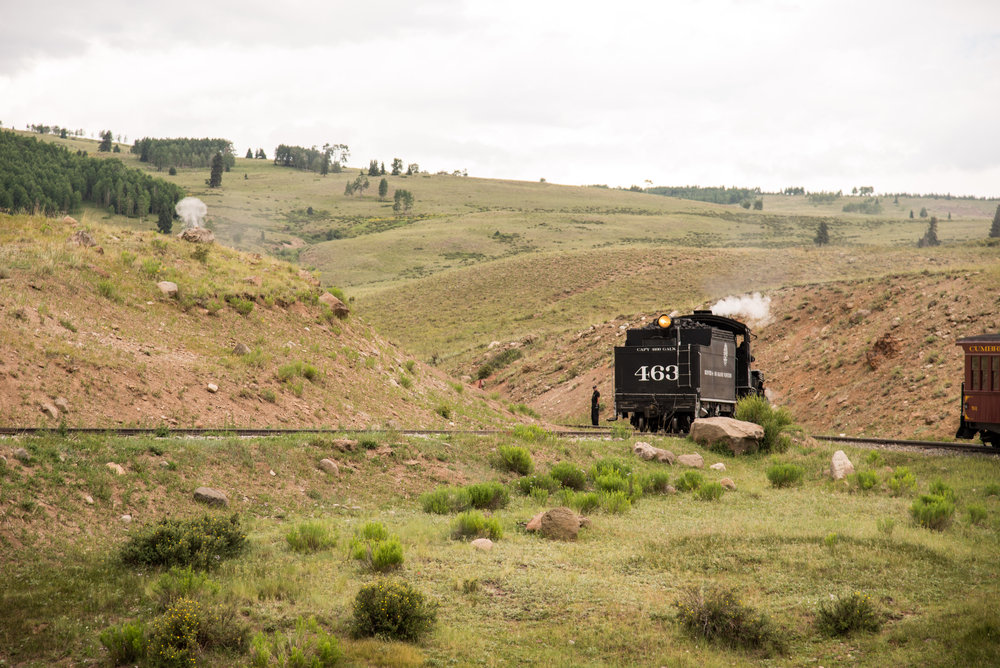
[
  {"x": 755, "y": 309},
  {"x": 192, "y": 211}
]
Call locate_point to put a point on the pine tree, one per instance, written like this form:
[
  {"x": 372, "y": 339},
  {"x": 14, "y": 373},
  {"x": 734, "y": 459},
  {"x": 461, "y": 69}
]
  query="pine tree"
[
  {"x": 249, "y": 154},
  {"x": 218, "y": 166},
  {"x": 930, "y": 236},
  {"x": 383, "y": 188},
  {"x": 822, "y": 237},
  {"x": 105, "y": 145},
  {"x": 397, "y": 166},
  {"x": 995, "y": 229}
]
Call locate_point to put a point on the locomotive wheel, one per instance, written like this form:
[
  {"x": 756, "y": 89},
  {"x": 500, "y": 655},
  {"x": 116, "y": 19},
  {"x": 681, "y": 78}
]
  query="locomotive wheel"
[
  {"x": 654, "y": 424},
  {"x": 642, "y": 423},
  {"x": 673, "y": 425}
]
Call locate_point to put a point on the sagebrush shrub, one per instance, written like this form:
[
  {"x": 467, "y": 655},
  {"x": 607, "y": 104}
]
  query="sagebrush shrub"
[
  {"x": 615, "y": 502},
  {"x": 514, "y": 458},
  {"x": 125, "y": 643},
  {"x": 902, "y": 481},
  {"x": 392, "y": 610},
  {"x": 528, "y": 484},
  {"x": 186, "y": 627},
  {"x": 610, "y": 466},
  {"x": 488, "y": 495},
  {"x": 977, "y": 513},
  {"x": 473, "y": 524},
  {"x": 942, "y": 489},
  {"x": 719, "y": 616},
  {"x": 309, "y": 537},
  {"x": 757, "y": 409},
  {"x": 689, "y": 481},
  {"x": 531, "y": 433},
  {"x": 387, "y": 555},
  {"x": 610, "y": 482},
  {"x": 865, "y": 480},
  {"x": 308, "y": 646},
  {"x": 657, "y": 482},
  {"x": 445, "y": 500},
  {"x": 710, "y": 491},
  {"x": 847, "y": 614},
  {"x": 373, "y": 545},
  {"x": 569, "y": 475},
  {"x": 581, "y": 502},
  {"x": 180, "y": 583},
  {"x": 933, "y": 511},
  {"x": 199, "y": 543},
  {"x": 784, "y": 475}
]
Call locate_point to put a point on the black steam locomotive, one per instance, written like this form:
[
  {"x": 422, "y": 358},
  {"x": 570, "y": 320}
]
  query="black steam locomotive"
[{"x": 677, "y": 369}]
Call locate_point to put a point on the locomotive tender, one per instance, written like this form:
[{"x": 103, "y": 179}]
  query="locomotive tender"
[
  {"x": 677, "y": 369},
  {"x": 981, "y": 389}
]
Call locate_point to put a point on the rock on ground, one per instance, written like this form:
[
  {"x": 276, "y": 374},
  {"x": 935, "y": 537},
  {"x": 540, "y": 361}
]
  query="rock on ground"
[
  {"x": 718, "y": 466},
  {"x": 484, "y": 544},
  {"x": 728, "y": 483},
  {"x": 739, "y": 436},
  {"x": 116, "y": 468},
  {"x": 212, "y": 497},
  {"x": 167, "y": 288},
  {"x": 329, "y": 466},
  {"x": 840, "y": 465},
  {"x": 560, "y": 524},
  {"x": 695, "y": 461},
  {"x": 50, "y": 410},
  {"x": 648, "y": 452}
]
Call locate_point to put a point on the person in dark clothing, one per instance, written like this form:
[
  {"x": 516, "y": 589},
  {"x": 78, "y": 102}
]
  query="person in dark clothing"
[{"x": 594, "y": 405}]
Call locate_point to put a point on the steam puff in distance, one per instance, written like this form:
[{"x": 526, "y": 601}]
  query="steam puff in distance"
[
  {"x": 192, "y": 211},
  {"x": 753, "y": 308}
]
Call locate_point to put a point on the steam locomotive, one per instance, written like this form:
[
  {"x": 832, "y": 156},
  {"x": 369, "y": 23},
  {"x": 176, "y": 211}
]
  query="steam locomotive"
[{"x": 677, "y": 369}]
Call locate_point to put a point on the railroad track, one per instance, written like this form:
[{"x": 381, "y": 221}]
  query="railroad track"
[{"x": 935, "y": 445}]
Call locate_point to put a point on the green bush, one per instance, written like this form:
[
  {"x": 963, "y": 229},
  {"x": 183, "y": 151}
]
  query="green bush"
[
  {"x": 902, "y": 481},
  {"x": 178, "y": 583},
  {"x": 125, "y": 643},
  {"x": 287, "y": 372},
  {"x": 784, "y": 475},
  {"x": 612, "y": 466},
  {"x": 933, "y": 511},
  {"x": 186, "y": 628},
  {"x": 405, "y": 382},
  {"x": 992, "y": 489},
  {"x": 199, "y": 543},
  {"x": 528, "y": 484},
  {"x": 240, "y": 305},
  {"x": 473, "y": 524},
  {"x": 710, "y": 491},
  {"x": 719, "y": 616},
  {"x": 940, "y": 488},
  {"x": 488, "y": 495},
  {"x": 307, "y": 646},
  {"x": 886, "y": 526},
  {"x": 610, "y": 482},
  {"x": 444, "y": 411},
  {"x": 387, "y": 555},
  {"x": 368, "y": 442},
  {"x": 689, "y": 481},
  {"x": 757, "y": 409},
  {"x": 657, "y": 482},
  {"x": 445, "y": 500},
  {"x": 513, "y": 458},
  {"x": 581, "y": 502},
  {"x": 847, "y": 614},
  {"x": 108, "y": 290},
  {"x": 309, "y": 537},
  {"x": 621, "y": 431},
  {"x": 977, "y": 514},
  {"x": 531, "y": 433},
  {"x": 865, "y": 480},
  {"x": 615, "y": 502},
  {"x": 392, "y": 610},
  {"x": 569, "y": 475}
]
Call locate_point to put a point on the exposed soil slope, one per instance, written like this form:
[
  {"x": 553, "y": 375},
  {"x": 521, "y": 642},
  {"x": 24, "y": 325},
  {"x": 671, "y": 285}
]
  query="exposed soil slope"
[{"x": 88, "y": 325}]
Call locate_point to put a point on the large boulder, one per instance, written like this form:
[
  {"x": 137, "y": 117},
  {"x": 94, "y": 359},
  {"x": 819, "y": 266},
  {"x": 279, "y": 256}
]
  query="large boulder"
[
  {"x": 338, "y": 307},
  {"x": 560, "y": 524},
  {"x": 167, "y": 288},
  {"x": 212, "y": 497},
  {"x": 649, "y": 453},
  {"x": 198, "y": 235},
  {"x": 739, "y": 436},
  {"x": 82, "y": 238},
  {"x": 840, "y": 466}
]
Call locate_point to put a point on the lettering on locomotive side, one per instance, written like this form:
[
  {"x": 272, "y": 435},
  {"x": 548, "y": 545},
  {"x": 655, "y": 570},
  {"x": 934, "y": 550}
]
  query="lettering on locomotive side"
[
  {"x": 657, "y": 349},
  {"x": 718, "y": 374}
]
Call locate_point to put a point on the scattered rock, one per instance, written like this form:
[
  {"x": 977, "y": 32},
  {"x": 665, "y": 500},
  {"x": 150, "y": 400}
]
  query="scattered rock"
[
  {"x": 22, "y": 455},
  {"x": 535, "y": 523},
  {"x": 255, "y": 281},
  {"x": 88, "y": 499},
  {"x": 50, "y": 410},
  {"x": 307, "y": 277},
  {"x": 694, "y": 461},
  {"x": 272, "y": 473},
  {"x": 728, "y": 483},
  {"x": 648, "y": 452},
  {"x": 840, "y": 466},
  {"x": 116, "y": 468},
  {"x": 345, "y": 444},
  {"x": 167, "y": 288},
  {"x": 560, "y": 524},
  {"x": 198, "y": 235},
  {"x": 212, "y": 387},
  {"x": 126, "y": 519},
  {"x": 241, "y": 349},
  {"x": 212, "y": 497},
  {"x": 62, "y": 404},
  {"x": 719, "y": 466},
  {"x": 329, "y": 466},
  {"x": 484, "y": 544},
  {"x": 69, "y": 219},
  {"x": 82, "y": 238},
  {"x": 737, "y": 435},
  {"x": 671, "y": 489},
  {"x": 339, "y": 308}
]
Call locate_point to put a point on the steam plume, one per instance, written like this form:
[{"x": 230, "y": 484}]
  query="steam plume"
[
  {"x": 192, "y": 211},
  {"x": 755, "y": 309}
]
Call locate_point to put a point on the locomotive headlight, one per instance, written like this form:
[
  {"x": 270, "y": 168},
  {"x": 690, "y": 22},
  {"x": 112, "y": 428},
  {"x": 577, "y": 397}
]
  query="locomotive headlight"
[{"x": 664, "y": 321}]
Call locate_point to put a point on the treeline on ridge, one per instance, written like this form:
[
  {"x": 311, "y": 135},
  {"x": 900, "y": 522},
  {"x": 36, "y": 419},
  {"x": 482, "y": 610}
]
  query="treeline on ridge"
[
  {"x": 330, "y": 158},
  {"x": 41, "y": 177},
  {"x": 717, "y": 195},
  {"x": 183, "y": 152}
]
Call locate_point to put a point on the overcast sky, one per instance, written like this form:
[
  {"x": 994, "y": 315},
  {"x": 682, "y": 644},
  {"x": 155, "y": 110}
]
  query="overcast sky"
[{"x": 902, "y": 96}]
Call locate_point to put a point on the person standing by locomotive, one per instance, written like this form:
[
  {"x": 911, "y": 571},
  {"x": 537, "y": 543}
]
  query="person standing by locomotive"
[{"x": 594, "y": 407}]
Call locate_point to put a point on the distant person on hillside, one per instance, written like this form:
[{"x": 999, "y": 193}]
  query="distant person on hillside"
[{"x": 594, "y": 406}]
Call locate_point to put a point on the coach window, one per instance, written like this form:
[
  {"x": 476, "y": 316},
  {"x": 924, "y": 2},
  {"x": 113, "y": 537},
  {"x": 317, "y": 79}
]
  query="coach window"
[
  {"x": 974, "y": 367},
  {"x": 996, "y": 373}
]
